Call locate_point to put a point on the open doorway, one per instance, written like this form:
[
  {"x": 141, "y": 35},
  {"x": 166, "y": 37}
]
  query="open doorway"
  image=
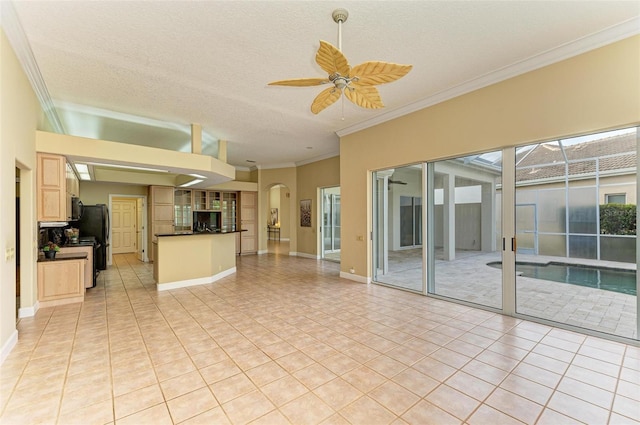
[
  {"x": 330, "y": 226},
  {"x": 278, "y": 219},
  {"x": 128, "y": 220}
]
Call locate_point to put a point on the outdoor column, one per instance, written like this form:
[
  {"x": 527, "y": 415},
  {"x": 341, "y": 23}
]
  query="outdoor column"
[
  {"x": 449, "y": 217},
  {"x": 488, "y": 217}
]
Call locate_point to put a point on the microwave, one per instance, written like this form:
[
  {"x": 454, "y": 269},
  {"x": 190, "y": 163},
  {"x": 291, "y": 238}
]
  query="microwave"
[{"x": 76, "y": 208}]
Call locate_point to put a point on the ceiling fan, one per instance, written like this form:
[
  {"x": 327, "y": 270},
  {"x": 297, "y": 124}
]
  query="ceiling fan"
[{"x": 357, "y": 83}]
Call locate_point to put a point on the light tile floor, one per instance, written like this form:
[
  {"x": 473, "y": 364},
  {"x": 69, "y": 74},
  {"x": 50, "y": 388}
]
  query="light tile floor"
[{"x": 285, "y": 340}]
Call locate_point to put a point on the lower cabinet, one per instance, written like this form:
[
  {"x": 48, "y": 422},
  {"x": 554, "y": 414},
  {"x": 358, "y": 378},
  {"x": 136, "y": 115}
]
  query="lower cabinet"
[
  {"x": 88, "y": 268},
  {"x": 60, "y": 282}
]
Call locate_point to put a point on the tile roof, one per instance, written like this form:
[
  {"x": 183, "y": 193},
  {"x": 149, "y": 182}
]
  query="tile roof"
[{"x": 546, "y": 160}]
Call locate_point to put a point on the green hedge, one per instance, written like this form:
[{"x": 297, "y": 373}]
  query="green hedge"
[{"x": 618, "y": 219}]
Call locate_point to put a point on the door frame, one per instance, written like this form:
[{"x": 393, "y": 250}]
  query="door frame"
[
  {"x": 145, "y": 242},
  {"x": 321, "y": 223}
]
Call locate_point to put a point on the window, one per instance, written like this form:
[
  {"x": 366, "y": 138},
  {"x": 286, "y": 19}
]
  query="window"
[{"x": 615, "y": 198}]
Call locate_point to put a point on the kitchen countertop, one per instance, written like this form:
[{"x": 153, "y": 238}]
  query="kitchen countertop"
[
  {"x": 63, "y": 257},
  {"x": 71, "y": 244},
  {"x": 197, "y": 233}
]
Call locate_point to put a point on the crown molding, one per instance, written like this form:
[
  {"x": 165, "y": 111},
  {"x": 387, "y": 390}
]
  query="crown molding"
[
  {"x": 18, "y": 40},
  {"x": 274, "y": 166},
  {"x": 317, "y": 158},
  {"x": 587, "y": 43}
]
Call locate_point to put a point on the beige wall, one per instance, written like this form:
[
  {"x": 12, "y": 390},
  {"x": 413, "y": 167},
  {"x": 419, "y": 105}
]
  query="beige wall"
[
  {"x": 246, "y": 176},
  {"x": 266, "y": 180},
  {"x": 311, "y": 178},
  {"x": 284, "y": 214},
  {"x": 20, "y": 114},
  {"x": 92, "y": 193},
  {"x": 595, "y": 91}
]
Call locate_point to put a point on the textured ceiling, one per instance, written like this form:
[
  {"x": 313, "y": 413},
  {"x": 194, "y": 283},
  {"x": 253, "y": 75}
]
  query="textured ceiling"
[{"x": 171, "y": 63}]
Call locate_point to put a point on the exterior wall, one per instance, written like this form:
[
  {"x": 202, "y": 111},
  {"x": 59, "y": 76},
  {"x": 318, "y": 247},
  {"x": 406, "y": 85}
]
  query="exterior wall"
[
  {"x": 310, "y": 178},
  {"x": 559, "y": 100},
  {"x": 20, "y": 114}
]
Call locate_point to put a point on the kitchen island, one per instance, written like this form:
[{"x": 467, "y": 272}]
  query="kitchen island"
[{"x": 186, "y": 258}]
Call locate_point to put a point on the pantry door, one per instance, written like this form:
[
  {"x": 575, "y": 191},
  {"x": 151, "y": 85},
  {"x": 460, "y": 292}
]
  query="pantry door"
[{"x": 123, "y": 226}]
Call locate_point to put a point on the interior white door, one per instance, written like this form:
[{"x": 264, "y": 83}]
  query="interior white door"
[{"x": 123, "y": 227}]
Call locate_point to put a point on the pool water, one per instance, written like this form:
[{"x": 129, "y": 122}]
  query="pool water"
[{"x": 608, "y": 279}]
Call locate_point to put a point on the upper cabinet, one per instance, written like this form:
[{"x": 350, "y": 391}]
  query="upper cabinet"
[
  {"x": 73, "y": 184},
  {"x": 56, "y": 184},
  {"x": 51, "y": 186}
]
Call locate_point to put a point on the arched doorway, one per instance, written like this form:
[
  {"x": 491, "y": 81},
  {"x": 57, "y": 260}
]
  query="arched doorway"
[{"x": 278, "y": 218}]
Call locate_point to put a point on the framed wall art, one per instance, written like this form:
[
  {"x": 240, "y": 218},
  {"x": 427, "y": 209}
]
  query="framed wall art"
[{"x": 305, "y": 213}]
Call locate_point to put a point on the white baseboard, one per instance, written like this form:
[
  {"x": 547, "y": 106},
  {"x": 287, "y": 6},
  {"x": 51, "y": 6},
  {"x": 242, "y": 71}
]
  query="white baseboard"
[
  {"x": 355, "y": 277},
  {"x": 8, "y": 346},
  {"x": 193, "y": 282},
  {"x": 264, "y": 251},
  {"x": 28, "y": 311}
]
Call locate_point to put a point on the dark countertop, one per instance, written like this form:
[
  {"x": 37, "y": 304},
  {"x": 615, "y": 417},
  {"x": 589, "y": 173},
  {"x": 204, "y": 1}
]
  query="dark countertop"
[
  {"x": 197, "y": 233},
  {"x": 63, "y": 257},
  {"x": 70, "y": 244}
]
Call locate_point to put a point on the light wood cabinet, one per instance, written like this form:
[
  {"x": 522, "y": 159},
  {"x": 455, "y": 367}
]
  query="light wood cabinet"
[
  {"x": 51, "y": 187},
  {"x": 199, "y": 200},
  {"x": 182, "y": 208},
  {"x": 161, "y": 199},
  {"x": 88, "y": 268},
  {"x": 248, "y": 222},
  {"x": 60, "y": 282}
]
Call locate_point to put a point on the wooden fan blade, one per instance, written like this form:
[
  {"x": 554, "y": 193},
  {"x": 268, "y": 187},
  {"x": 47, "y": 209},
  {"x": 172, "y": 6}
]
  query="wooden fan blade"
[
  {"x": 326, "y": 97},
  {"x": 374, "y": 73},
  {"x": 300, "y": 82},
  {"x": 332, "y": 60},
  {"x": 364, "y": 96}
]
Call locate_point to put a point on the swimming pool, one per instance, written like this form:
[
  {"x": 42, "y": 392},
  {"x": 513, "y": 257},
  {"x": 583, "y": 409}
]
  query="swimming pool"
[{"x": 609, "y": 279}]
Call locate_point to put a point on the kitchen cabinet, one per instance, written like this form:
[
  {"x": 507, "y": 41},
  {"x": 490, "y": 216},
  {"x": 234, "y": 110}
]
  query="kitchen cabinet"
[
  {"x": 51, "y": 187},
  {"x": 88, "y": 268},
  {"x": 182, "y": 209},
  {"x": 214, "y": 200},
  {"x": 161, "y": 199},
  {"x": 199, "y": 200},
  {"x": 229, "y": 209},
  {"x": 72, "y": 189},
  {"x": 61, "y": 282},
  {"x": 248, "y": 222}
]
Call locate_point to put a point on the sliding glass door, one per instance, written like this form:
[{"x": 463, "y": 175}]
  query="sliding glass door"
[
  {"x": 331, "y": 223},
  {"x": 397, "y": 236},
  {"x": 464, "y": 245},
  {"x": 576, "y": 257},
  {"x": 567, "y": 209}
]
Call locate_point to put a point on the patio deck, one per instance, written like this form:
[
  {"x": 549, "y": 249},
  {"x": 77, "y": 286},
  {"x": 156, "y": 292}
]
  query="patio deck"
[{"x": 469, "y": 278}]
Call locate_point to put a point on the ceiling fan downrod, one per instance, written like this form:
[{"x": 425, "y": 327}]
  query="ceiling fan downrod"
[{"x": 339, "y": 16}]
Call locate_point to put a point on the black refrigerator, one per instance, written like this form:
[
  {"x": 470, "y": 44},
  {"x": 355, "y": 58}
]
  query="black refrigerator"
[{"x": 95, "y": 222}]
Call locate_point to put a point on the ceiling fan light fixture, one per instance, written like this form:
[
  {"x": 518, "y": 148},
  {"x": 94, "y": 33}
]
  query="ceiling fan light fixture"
[{"x": 357, "y": 83}]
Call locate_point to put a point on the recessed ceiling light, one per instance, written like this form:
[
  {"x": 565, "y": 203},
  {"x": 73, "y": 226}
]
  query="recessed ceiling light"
[
  {"x": 127, "y": 167},
  {"x": 83, "y": 171},
  {"x": 191, "y": 183}
]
